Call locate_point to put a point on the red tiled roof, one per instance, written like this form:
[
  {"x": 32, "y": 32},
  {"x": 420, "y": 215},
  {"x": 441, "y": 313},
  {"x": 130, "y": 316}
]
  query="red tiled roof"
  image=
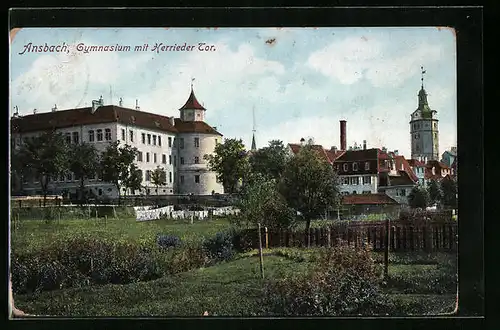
[
  {"x": 332, "y": 155},
  {"x": 358, "y": 155},
  {"x": 403, "y": 179},
  {"x": 416, "y": 163},
  {"x": 194, "y": 127},
  {"x": 367, "y": 199},
  {"x": 84, "y": 116},
  {"x": 192, "y": 103},
  {"x": 316, "y": 147},
  {"x": 400, "y": 160}
]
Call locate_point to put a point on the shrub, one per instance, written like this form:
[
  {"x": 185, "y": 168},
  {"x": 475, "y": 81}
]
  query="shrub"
[
  {"x": 186, "y": 258},
  {"x": 243, "y": 239},
  {"x": 167, "y": 241},
  {"x": 220, "y": 247},
  {"x": 344, "y": 282}
]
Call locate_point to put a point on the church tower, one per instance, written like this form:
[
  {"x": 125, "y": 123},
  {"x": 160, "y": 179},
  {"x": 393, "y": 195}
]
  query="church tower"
[
  {"x": 424, "y": 129},
  {"x": 192, "y": 110}
]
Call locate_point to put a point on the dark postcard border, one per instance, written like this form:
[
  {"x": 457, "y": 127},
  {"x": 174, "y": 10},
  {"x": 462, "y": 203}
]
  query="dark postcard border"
[{"x": 468, "y": 24}]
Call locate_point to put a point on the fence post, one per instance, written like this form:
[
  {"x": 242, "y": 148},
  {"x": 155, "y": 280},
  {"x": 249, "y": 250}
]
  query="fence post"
[
  {"x": 393, "y": 246},
  {"x": 260, "y": 254},
  {"x": 328, "y": 236},
  {"x": 386, "y": 247},
  {"x": 267, "y": 237}
]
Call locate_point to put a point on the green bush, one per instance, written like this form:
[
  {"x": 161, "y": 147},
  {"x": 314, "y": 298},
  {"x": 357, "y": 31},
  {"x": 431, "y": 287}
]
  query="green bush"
[
  {"x": 187, "y": 257},
  {"x": 220, "y": 247},
  {"x": 344, "y": 282},
  {"x": 244, "y": 239}
]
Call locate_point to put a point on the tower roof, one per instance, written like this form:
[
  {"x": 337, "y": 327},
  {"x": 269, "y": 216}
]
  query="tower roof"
[{"x": 192, "y": 102}]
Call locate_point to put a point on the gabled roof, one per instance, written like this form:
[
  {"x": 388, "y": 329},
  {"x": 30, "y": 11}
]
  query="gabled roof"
[
  {"x": 192, "y": 103},
  {"x": 84, "y": 116},
  {"x": 367, "y": 199},
  {"x": 358, "y": 155},
  {"x": 316, "y": 147},
  {"x": 194, "y": 127},
  {"x": 416, "y": 163},
  {"x": 403, "y": 179},
  {"x": 401, "y": 161},
  {"x": 334, "y": 155}
]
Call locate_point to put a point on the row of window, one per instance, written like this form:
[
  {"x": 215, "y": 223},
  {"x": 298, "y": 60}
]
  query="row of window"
[
  {"x": 355, "y": 166},
  {"x": 354, "y": 180},
  {"x": 98, "y": 136},
  {"x": 140, "y": 158},
  {"x": 416, "y": 126},
  {"x": 354, "y": 192}
]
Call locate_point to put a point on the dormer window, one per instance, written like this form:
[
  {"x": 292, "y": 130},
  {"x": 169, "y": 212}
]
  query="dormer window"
[
  {"x": 346, "y": 167},
  {"x": 354, "y": 166},
  {"x": 367, "y": 166}
]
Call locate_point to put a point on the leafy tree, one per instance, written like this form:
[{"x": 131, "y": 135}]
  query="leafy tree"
[
  {"x": 16, "y": 170},
  {"x": 230, "y": 162},
  {"x": 309, "y": 185},
  {"x": 115, "y": 164},
  {"x": 158, "y": 177},
  {"x": 449, "y": 189},
  {"x": 84, "y": 163},
  {"x": 134, "y": 178},
  {"x": 270, "y": 161},
  {"x": 418, "y": 198},
  {"x": 261, "y": 202},
  {"x": 434, "y": 192},
  {"x": 44, "y": 157}
]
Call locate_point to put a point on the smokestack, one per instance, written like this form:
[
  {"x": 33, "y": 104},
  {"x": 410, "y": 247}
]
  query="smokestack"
[
  {"x": 172, "y": 121},
  {"x": 343, "y": 141},
  {"x": 364, "y": 144}
]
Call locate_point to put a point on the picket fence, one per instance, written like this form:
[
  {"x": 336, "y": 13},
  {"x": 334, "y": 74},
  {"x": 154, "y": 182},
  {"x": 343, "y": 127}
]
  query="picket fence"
[
  {"x": 146, "y": 213},
  {"x": 424, "y": 236}
]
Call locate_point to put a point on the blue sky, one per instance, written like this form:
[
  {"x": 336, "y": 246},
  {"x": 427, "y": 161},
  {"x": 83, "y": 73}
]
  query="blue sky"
[{"x": 301, "y": 85}]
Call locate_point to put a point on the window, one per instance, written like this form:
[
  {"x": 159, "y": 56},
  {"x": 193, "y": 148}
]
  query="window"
[
  {"x": 164, "y": 159},
  {"x": 354, "y": 192},
  {"x": 367, "y": 180},
  {"x": 170, "y": 159},
  {"x": 354, "y": 166},
  {"x": 139, "y": 156},
  {"x": 417, "y": 136},
  {"x": 346, "y": 166},
  {"x": 403, "y": 192},
  {"x": 170, "y": 177},
  {"x": 143, "y": 138},
  {"x": 69, "y": 176},
  {"x": 100, "y": 192},
  {"x": 196, "y": 142},
  {"x": 131, "y": 133},
  {"x": 345, "y": 181},
  {"x": 181, "y": 143},
  {"x": 99, "y": 135},
  {"x": 196, "y": 160},
  {"x": 159, "y": 140},
  {"x": 366, "y": 192},
  {"x": 147, "y": 157},
  {"x": 367, "y": 166},
  {"x": 154, "y": 140},
  {"x": 123, "y": 134},
  {"x": 169, "y": 142},
  {"x": 76, "y": 138},
  {"x": 154, "y": 157},
  {"x": 68, "y": 138},
  {"x": 354, "y": 180},
  {"x": 148, "y": 175},
  {"x": 182, "y": 160},
  {"x": 107, "y": 134},
  {"x": 175, "y": 143},
  {"x": 196, "y": 179},
  {"x": 182, "y": 179},
  {"x": 149, "y": 138},
  {"x": 175, "y": 160},
  {"x": 216, "y": 141}
]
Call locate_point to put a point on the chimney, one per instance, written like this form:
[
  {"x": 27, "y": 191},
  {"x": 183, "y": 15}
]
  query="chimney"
[
  {"x": 101, "y": 101},
  {"x": 54, "y": 109},
  {"x": 172, "y": 121},
  {"x": 120, "y": 103},
  {"x": 364, "y": 144},
  {"x": 137, "y": 104},
  {"x": 343, "y": 141},
  {"x": 334, "y": 149},
  {"x": 34, "y": 111},
  {"x": 95, "y": 105},
  {"x": 384, "y": 149}
]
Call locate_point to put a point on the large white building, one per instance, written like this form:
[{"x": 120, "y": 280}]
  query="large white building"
[{"x": 177, "y": 145}]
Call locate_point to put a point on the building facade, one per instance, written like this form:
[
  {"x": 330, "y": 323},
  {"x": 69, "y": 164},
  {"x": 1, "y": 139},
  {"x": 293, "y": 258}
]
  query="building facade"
[{"x": 176, "y": 145}]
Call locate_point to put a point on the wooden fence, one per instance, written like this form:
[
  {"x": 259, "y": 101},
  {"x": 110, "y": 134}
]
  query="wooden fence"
[{"x": 424, "y": 236}]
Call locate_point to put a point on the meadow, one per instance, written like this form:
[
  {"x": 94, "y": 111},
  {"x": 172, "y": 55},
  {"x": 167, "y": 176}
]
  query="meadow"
[{"x": 418, "y": 283}]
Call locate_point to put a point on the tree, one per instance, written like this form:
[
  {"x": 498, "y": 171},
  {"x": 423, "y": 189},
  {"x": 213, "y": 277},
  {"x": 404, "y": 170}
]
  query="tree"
[
  {"x": 115, "y": 164},
  {"x": 230, "y": 162},
  {"x": 158, "y": 177},
  {"x": 309, "y": 185},
  {"x": 45, "y": 157},
  {"x": 270, "y": 161},
  {"x": 261, "y": 202},
  {"x": 418, "y": 198},
  {"x": 134, "y": 178},
  {"x": 84, "y": 163},
  {"x": 434, "y": 192},
  {"x": 449, "y": 189}
]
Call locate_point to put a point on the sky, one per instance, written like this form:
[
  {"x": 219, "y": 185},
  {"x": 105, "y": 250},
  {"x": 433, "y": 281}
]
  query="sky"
[{"x": 299, "y": 82}]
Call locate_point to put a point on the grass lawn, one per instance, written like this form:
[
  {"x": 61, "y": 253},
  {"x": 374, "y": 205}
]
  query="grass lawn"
[{"x": 33, "y": 234}]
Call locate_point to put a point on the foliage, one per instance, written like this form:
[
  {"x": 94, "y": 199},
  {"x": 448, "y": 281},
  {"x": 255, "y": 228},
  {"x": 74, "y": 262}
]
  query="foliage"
[
  {"x": 449, "y": 189},
  {"x": 309, "y": 185},
  {"x": 134, "y": 178},
  {"x": 230, "y": 162},
  {"x": 115, "y": 163},
  {"x": 158, "y": 177},
  {"x": 168, "y": 241},
  {"x": 418, "y": 198},
  {"x": 434, "y": 192},
  {"x": 44, "y": 157},
  {"x": 260, "y": 202},
  {"x": 344, "y": 282},
  {"x": 270, "y": 161},
  {"x": 84, "y": 163},
  {"x": 220, "y": 247},
  {"x": 189, "y": 256}
]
